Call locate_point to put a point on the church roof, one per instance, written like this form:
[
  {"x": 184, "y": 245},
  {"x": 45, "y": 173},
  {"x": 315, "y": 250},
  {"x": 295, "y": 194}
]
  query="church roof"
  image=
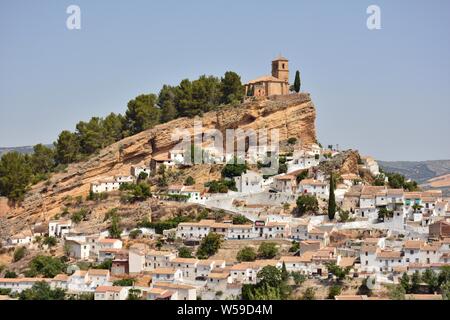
[
  {"x": 265, "y": 79},
  {"x": 280, "y": 58}
]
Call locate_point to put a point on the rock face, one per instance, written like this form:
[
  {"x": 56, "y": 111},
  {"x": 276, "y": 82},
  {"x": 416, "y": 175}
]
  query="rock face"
[
  {"x": 293, "y": 115},
  {"x": 345, "y": 162}
]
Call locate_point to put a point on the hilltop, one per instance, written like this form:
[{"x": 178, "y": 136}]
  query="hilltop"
[{"x": 293, "y": 115}]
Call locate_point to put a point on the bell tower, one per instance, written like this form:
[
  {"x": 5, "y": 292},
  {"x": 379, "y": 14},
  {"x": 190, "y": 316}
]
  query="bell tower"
[{"x": 280, "y": 68}]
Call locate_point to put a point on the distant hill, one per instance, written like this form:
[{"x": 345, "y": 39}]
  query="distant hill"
[
  {"x": 24, "y": 149},
  {"x": 432, "y": 174}
]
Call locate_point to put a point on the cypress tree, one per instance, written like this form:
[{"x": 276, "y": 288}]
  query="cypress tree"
[
  {"x": 331, "y": 199},
  {"x": 297, "y": 82}
]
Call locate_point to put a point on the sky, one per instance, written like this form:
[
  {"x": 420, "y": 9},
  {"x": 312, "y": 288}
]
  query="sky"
[{"x": 383, "y": 92}]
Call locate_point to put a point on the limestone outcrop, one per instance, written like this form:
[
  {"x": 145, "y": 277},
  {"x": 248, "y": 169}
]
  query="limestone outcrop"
[{"x": 293, "y": 115}]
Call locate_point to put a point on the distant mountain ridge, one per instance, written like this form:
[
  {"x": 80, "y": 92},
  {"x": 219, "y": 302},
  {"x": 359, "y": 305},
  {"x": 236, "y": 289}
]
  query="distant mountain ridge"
[
  {"x": 431, "y": 174},
  {"x": 24, "y": 149},
  {"x": 421, "y": 171}
]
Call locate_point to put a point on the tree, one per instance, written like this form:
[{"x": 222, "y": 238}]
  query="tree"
[
  {"x": 42, "y": 160},
  {"x": 135, "y": 233},
  {"x": 166, "y": 101},
  {"x": 113, "y": 126},
  {"x": 67, "y": 148},
  {"x": 231, "y": 88},
  {"x": 445, "y": 290},
  {"x": 10, "y": 274},
  {"x": 284, "y": 272},
  {"x": 267, "y": 250},
  {"x": 42, "y": 291},
  {"x": 416, "y": 279},
  {"x": 294, "y": 247},
  {"x": 383, "y": 212},
  {"x": 189, "y": 181},
  {"x": 141, "y": 114},
  {"x": 141, "y": 192},
  {"x": 47, "y": 266},
  {"x": 338, "y": 271},
  {"x": 185, "y": 252},
  {"x": 261, "y": 293},
  {"x": 91, "y": 135},
  {"x": 444, "y": 275},
  {"x": 307, "y": 204},
  {"x": 363, "y": 289},
  {"x": 331, "y": 199},
  {"x": 50, "y": 241},
  {"x": 240, "y": 219},
  {"x": 209, "y": 245},
  {"x": 246, "y": 254},
  {"x": 309, "y": 294},
  {"x": 124, "y": 282},
  {"x": 270, "y": 276},
  {"x": 292, "y": 140},
  {"x": 134, "y": 294},
  {"x": 344, "y": 215},
  {"x": 431, "y": 279},
  {"x": 234, "y": 169},
  {"x": 19, "y": 253},
  {"x": 114, "y": 230},
  {"x": 334, "y": 291},
  {"x": 298, "y": 277},
  {"x": 396, "y": 292},
  {"x": 405, "y": 282},
  {"x": 142, "y": 176},
  {"x": 15, "y": 176},
  {"x": 297, "y": 82}
]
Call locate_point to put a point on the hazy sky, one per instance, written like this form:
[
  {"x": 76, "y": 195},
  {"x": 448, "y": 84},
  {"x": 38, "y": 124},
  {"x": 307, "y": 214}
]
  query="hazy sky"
[{"x": 384, "y": 92}]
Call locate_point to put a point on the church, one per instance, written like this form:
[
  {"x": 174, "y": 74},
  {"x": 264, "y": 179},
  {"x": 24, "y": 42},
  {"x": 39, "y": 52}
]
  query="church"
[{"x": 275, "y": 84}]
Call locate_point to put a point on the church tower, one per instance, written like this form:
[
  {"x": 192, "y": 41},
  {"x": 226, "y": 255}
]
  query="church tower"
[{"x": 280, "y": 68}]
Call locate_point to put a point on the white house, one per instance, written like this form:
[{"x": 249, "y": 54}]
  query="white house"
[
  {"x": 241, "y": 231},
  {"x": 181, "y": 291},
  {"x": 141, "y": 259},
  {"x": 124, "y": 179},
  {"x": 137, "y": 170},
  {"x": 23, "y": 238},
  {"x": 98, "y": 277},
  {"x": 249, "y": 182},
  {"x": 314, "y": 187},
  {"x": 111, "y": 293},
  {"x": 300, "y": 230},
  {"x": 188, "y": 266},
  {"x": 368, "y": 253},
  {"x": 105, "y": 185},
  {"x": 167, "y": 275},
  {"x": 58, "y": 228},
  {"x": 19, "y": 284},
  {"x": 370, "y": 164},
  {"x": 107, "y": 243},
  {"x": 60, "y": 281},
  {"x": 285, "y": 183},
  {"x": 273, "y": 230},
  {"x": 77, "y": 249},
  {"x": 194, "y": 230},
  {"x": 218, "y": 281},
  {"x": 204, "y": 267}
]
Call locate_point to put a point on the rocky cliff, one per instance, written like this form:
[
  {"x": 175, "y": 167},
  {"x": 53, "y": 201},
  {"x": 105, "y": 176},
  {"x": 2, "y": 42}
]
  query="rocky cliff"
[{"x": 293, "y": 116}]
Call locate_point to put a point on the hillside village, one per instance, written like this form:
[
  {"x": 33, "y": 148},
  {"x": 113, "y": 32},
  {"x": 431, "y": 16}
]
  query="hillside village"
[{"x": 329, "y": 224}]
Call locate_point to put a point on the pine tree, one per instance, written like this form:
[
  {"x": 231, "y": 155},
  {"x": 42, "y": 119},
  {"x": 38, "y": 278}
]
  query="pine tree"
[
  {"x": 284, "y": 272},
  {"x": 331, "y": 199},
  {"x": 297, "y": 82}
]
